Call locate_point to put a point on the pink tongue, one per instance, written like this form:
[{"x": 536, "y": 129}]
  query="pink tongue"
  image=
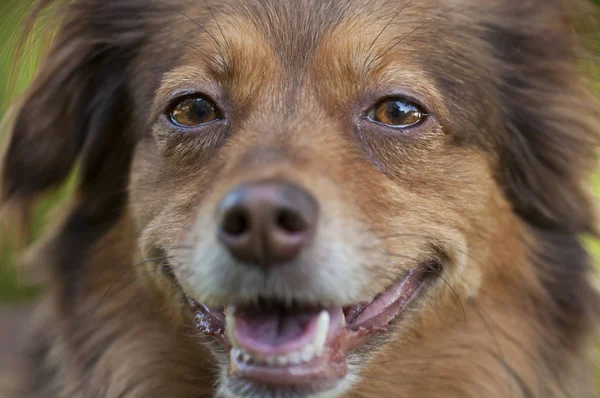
[{"x": 274, "y": 331}]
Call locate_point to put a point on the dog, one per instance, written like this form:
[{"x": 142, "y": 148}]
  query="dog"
[{"x": 310, "y": 199}]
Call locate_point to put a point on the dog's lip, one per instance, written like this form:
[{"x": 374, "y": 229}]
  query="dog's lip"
[
  {"x": 320, "y": 373},
  {"x": 361, "y": 322}
]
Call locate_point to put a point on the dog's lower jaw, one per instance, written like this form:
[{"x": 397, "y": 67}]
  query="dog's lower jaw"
[
  {"x": 256, "y": 363},
  {"x": 225, "y": 390}
]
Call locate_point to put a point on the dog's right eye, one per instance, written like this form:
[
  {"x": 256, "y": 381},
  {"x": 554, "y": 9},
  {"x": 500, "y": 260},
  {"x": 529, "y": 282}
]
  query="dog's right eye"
[
  {"x": 193, "y": 111},
  {"x": 396, "y": 113}
]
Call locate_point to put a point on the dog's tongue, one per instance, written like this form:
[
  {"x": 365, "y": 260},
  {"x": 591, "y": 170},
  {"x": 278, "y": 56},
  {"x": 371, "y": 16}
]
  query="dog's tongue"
[{"x": 278, "y": 331}]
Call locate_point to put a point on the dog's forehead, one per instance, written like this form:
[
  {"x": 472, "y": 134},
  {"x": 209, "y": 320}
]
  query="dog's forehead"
[
  {"x": 295, "y": 30},
  {"x": 290, "y": 48}
]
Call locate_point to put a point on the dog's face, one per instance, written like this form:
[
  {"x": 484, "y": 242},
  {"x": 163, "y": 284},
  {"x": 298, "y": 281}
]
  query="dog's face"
[
  {"x": 310, "y": 180},
  {"x": 322, "y": 179}
]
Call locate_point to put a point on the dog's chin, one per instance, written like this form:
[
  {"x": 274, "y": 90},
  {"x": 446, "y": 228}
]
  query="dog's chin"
[{"x": 301, "y": 350}]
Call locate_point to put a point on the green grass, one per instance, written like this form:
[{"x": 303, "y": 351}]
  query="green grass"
[{"x": 13, "y": 81}]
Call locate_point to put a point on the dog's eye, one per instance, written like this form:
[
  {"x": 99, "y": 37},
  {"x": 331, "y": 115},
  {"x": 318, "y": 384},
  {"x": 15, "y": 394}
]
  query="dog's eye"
[
  {"x": 396, "y": 113},
  {"x": 194, "y": 111}
]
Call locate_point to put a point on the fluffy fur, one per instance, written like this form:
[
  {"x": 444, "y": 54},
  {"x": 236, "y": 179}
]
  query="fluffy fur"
[{"x": 495, "y": 183}]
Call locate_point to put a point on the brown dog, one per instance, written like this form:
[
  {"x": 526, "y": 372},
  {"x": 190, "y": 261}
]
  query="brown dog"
[{"x": 311, "y": 198}]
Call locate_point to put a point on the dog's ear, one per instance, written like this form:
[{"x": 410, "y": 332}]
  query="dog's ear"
[
  {"x": 77, "y": 114},
  {"x": 551, "y": 116},
  {"x": 76, "y": 110},
  {"x": 550, "y": 150}
]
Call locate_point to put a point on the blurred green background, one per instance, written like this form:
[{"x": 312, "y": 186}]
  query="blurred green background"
[{"x": 14, "y": 80}]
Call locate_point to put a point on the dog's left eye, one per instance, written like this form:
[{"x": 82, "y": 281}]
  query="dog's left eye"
[
  {"x": 396, "y": 113},
  {"x": 193, "y": 111}
]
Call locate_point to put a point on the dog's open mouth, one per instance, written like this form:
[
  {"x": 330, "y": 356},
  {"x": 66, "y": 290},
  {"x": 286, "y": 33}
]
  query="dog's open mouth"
[{"x": 279, "y": 346}]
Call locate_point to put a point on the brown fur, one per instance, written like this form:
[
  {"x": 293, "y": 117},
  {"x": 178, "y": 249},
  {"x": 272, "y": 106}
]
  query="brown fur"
[{"x": 494, "y": 182}]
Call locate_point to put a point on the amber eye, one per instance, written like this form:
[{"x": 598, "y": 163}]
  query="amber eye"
[
  {"x": 194, "y": 111},
  {"x": 396, "y": 113}
]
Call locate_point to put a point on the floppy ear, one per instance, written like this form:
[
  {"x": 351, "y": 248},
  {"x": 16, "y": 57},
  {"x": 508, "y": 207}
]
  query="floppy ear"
[
  {"x": 76, "y": 109},
  {"x": 552, "y": 121},
  {"x": 550, "y": 114}
]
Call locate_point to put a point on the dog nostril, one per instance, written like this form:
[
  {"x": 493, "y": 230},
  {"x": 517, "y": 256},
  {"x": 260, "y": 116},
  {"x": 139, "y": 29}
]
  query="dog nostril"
[
  {"x": 236, "y": 222},
  {"x": 290, "y": 221},
  {"x": 266, "y": 223}
]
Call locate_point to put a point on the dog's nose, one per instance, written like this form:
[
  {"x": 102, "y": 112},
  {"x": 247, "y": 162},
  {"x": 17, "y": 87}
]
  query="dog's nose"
[{"x": 267, "y": 223}]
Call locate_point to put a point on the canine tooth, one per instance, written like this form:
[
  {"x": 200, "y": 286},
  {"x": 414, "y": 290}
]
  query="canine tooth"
[
  {"x": 237, "y": 353},
  {"x": 230, "y": 326},
  {"x": 246, "y": 358},
  {"x": 294, "y": 358},
  {"x": 307, "y": 353},
  {"x": 282, "y": 360},
  {"x": 321, "y": 332}
]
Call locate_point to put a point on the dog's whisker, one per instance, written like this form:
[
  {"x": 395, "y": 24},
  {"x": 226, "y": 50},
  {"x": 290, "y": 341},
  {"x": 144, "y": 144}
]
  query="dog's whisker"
[
  {"x": 383, "y": 251},
  {"x": 487, "y": 325},
  {"x": 217, "y": 23},
  {"x": 137, "y": 277},
  {"x": 191, "y": 20},
  {"x": 388, "y": 24},
  {"x": 424, "y": 24},
  {"x": 455, "y": 293},
  {"x": 150, "y": 260},
  {"x": 203, "y": 53}
]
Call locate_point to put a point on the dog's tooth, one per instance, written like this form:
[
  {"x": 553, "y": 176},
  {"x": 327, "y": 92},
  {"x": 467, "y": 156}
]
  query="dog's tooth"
[
  {"x": 246, "y": 358},
  {"x": 281, "y": 360},
  {"x": 322, "y": 329},
  {"x": 271, "y": 361},
  {"x": 294, "y": 358},
  {"x": 230, "y": 326},
  {"x": 307, "y": 353},
  {"x": 237, "y": 354}
]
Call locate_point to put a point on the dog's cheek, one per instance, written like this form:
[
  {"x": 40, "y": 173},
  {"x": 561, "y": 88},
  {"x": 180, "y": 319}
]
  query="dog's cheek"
[
  {"x": 476, "y": 222},
  {"x": 144, "y": 180},
  {"x": 436, "y": 205}
]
